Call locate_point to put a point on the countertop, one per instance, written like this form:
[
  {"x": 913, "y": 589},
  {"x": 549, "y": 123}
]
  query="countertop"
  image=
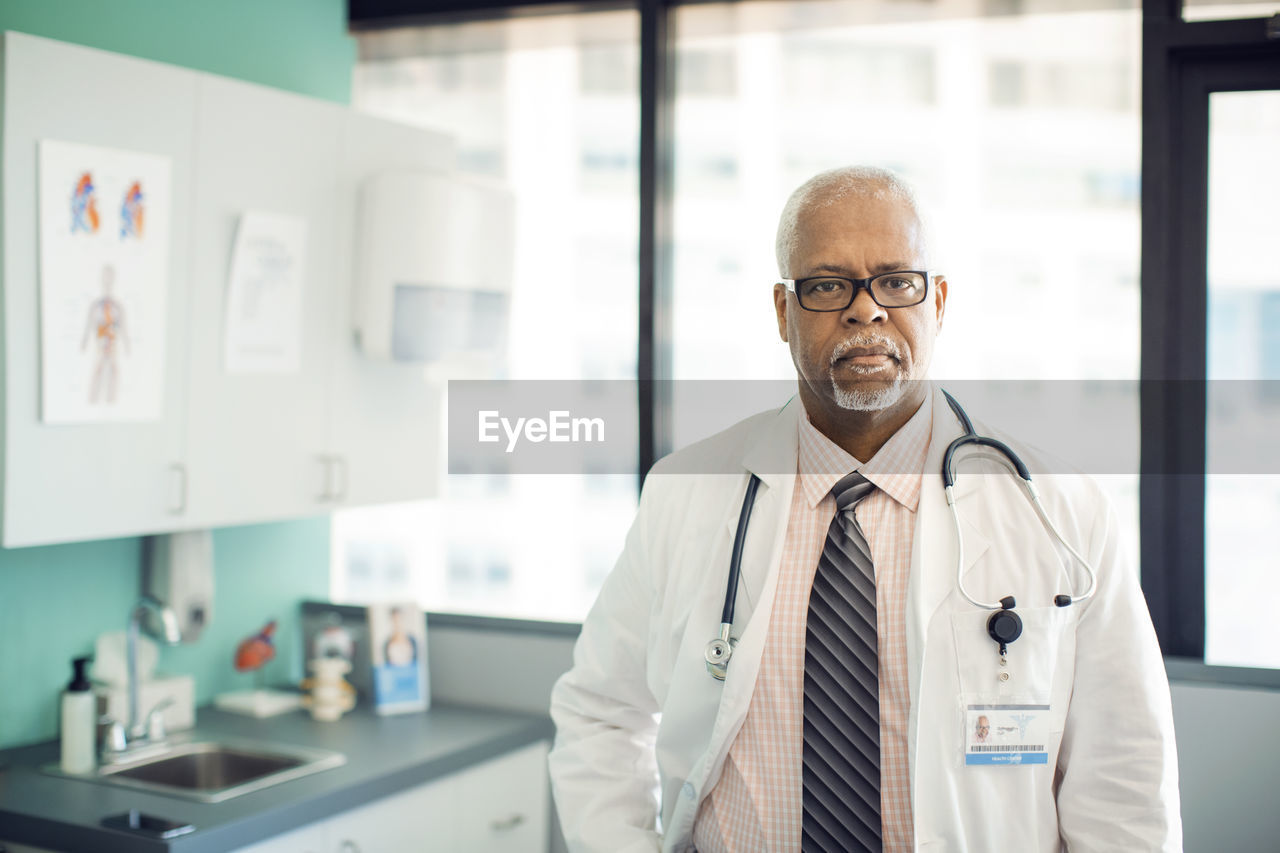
[{"x": 384, "y": 755}]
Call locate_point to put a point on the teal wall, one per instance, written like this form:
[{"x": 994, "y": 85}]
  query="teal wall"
[
  {"x": 299, "y": 45},
  {"x": 55, "y": 600}
]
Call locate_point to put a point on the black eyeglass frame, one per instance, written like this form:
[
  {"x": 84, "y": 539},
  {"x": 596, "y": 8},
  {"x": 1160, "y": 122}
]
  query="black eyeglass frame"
[{"x": 791, "y": 284}]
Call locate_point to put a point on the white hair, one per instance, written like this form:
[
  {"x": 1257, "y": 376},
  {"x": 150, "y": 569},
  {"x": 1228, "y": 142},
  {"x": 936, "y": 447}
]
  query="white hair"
[{"x": 827, "y": 188}]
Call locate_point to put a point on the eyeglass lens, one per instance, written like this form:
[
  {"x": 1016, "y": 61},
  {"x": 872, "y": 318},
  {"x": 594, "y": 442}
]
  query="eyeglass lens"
[{"x": 892, "y": 290}]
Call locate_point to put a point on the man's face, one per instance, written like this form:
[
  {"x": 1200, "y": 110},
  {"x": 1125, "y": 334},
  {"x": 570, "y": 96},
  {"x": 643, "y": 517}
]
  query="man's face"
[
  {"x": 862, "y": 357},
  {"x": 983, "y": 728}
]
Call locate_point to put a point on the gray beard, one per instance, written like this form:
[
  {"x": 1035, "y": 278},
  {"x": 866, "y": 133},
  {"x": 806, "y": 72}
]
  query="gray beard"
[{"x": 869, "y": 400}]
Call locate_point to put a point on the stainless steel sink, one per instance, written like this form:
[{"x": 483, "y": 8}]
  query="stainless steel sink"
[{"x": 213, "y": 771}]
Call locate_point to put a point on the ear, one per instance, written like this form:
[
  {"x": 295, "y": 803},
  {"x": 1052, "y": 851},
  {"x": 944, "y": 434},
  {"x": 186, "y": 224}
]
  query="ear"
[
  {"x": 780, "y": 307},
  {"x": 940, "y": 297}
]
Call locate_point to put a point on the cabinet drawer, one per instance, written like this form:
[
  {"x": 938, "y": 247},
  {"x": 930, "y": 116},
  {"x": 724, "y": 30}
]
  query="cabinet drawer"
[
  {"x": 421, "y": 818},
  {"x": 501, "y": 806},
  {"x": 308, "y": 839},
  {"x": 504, "y": 804}
]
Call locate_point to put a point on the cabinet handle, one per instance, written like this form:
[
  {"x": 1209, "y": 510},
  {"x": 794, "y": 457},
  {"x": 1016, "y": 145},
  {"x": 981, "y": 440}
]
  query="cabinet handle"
[
  {"x": 326, "y": 491},
  {"x": 507, "y": 824},
  {"x": 340, "y": 462},
  {"x": 180, "y": 506}
]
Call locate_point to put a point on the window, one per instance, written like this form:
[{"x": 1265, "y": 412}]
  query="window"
[
  {"x": 1209, "y": 351},
  {"x": 1031, "y": 142},
  {"x": 1241, "y": 509},
  {"x": 550, "y": 106},
  {"x": 1034, "y": 192},
  {"x": 1222, "y": 10}
]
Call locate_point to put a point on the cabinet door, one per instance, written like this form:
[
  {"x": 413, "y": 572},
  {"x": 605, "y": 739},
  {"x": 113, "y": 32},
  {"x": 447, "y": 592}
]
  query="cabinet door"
[
  {"x": 501, "y": 806},
  {"x": 385, "y": 417},
  {"x": 422, "y": 818},
  {"x": 505, "y": 804},
  {"x": 67, "y": 482},
  {"x": 256, "y": 438},
  {"x": 314, "y": 838}
]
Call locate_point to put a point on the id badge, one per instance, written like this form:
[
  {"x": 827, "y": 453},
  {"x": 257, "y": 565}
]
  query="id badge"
[{"x": 1007, "y": 734}]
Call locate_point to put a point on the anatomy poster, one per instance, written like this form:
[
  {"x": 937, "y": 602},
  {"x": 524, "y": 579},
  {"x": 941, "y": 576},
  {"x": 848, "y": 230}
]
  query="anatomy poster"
[{"x": 104, "y": 268}]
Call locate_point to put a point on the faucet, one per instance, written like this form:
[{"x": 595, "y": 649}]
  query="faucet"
[{"x": 136, "y": 728}]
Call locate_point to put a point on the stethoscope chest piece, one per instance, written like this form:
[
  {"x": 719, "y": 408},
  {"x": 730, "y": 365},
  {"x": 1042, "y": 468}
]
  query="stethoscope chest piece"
[
  {"x": 717, "y": 656},
  {"x": 1005, "y": 626}
]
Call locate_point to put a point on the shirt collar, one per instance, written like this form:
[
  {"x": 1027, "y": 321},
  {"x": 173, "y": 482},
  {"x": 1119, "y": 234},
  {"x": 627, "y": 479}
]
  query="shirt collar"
[{"x": 895, "y": 469}]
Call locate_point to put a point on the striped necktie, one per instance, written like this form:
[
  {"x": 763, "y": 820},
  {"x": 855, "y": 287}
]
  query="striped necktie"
[{"x": 841, "y": 689}]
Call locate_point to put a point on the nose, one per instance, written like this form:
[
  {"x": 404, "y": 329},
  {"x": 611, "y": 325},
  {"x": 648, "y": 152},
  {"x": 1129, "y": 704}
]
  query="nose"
[{"x": 864, "y": 309}]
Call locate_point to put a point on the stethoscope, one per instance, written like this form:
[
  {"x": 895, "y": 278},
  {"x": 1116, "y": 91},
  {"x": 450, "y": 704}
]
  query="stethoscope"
[{"x": 1004, "y": 626}]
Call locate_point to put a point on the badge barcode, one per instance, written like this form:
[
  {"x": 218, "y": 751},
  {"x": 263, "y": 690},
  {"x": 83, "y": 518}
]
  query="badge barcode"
[{"x": 1017, "y": 747}]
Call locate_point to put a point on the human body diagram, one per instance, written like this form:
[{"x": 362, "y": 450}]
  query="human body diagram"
[{"x": 106, "y": 326}]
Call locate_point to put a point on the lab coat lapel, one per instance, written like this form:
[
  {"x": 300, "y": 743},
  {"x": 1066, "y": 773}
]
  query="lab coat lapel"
[
  {"x": 772, "y": 458},
  {"x": 933, "y": 557}
]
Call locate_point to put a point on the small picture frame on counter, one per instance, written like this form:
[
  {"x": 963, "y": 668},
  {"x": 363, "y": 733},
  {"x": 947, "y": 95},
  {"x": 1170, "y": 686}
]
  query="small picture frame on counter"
[
  {"x": 398, "y": 645},
  {"x": 340, "y": 631}
]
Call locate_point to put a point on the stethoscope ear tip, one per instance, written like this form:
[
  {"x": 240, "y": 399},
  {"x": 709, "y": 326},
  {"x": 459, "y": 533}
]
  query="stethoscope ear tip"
[{"x": 1062, "y": 600}]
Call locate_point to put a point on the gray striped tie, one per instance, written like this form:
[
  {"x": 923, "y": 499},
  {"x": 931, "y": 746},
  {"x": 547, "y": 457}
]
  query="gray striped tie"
[{"x": 841, "y": 689}]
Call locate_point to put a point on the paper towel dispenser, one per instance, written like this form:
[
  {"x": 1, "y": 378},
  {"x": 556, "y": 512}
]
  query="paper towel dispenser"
[
  {"x": 434, "y": 264},
  {"x": 178, "y": 572}
]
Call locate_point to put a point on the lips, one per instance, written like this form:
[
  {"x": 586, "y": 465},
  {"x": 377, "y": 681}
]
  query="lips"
[
  {"x": 859, "y": 353},
  {"x": 866, "y": 358}
]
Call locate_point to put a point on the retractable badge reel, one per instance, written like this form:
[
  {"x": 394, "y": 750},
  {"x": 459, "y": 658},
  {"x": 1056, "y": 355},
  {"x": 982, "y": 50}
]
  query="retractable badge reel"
[{"x": 1004, "y": 627}]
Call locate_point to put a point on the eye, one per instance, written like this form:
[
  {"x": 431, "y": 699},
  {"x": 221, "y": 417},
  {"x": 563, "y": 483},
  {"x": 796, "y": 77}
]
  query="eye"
[{"x": 825, "y": 285}]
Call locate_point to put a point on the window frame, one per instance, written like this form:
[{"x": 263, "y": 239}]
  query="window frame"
[{"x": 1182, "y": 62}]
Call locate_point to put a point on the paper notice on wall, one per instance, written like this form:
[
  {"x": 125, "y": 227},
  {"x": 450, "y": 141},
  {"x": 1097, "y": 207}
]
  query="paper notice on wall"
[
  {"x": 263, "y": 331},
  {"x": 104, "y": 282}
]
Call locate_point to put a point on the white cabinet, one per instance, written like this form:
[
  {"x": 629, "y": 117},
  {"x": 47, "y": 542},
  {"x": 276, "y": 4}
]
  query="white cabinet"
[
  {"x": 308, "y": 839},
  {"x": 227, "y": 448},
  {"x": 500, "y": 806},
  {"x": 503, "y": 805},
  {"x": 255, "y": 440},
  {"x": 385, "y": 419},
  {"x": 87, "y": 481},
  {"x": 422, "y": 818}
]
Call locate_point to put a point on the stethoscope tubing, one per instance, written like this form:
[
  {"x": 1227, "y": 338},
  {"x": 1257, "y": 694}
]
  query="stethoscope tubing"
[
  {"x": 735, "y": 558},
  {"x": 1033, "y": 495},
  {"x": 720, "y": 649}
]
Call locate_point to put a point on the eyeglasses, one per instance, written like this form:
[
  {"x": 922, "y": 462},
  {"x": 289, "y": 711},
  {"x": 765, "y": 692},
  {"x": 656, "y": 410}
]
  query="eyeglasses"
[{"x": 835, "y": 293}]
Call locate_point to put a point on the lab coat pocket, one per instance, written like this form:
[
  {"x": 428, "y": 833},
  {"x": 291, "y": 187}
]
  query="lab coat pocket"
[
  {"x": 1035, "y": 662},
  {"x": 1011, "y": 713}
]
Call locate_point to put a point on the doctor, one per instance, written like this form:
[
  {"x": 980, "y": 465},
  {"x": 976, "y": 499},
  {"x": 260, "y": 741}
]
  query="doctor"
[{"x": 860, "y": 671}]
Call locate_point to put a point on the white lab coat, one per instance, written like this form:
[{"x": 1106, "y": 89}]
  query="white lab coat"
[{"x": 638, "y": 716}]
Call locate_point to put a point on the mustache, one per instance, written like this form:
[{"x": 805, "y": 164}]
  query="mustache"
[{"x": 865, "y": 341}]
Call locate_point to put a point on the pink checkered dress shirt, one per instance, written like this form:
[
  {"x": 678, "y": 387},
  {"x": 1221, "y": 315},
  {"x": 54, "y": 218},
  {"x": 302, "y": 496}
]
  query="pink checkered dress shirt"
[{"x": 756, "y": 805}]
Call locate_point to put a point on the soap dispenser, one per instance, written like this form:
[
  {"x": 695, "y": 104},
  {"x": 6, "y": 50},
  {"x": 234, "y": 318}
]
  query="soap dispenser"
[{"x": 79, "y": 723}]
